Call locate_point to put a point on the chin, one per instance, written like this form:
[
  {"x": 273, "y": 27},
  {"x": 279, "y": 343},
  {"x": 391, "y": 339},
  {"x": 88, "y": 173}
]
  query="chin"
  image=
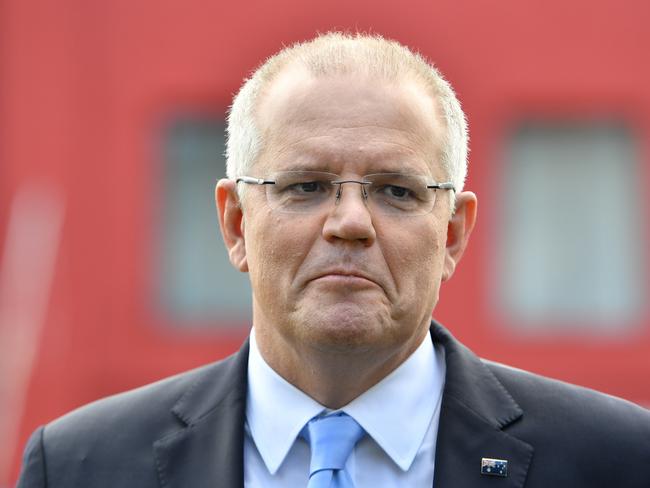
[{"x": 346, "y": 328}]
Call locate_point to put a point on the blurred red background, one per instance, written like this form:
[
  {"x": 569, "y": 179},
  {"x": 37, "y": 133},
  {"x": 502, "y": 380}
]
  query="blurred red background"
[{"x": 111, "y": 139}]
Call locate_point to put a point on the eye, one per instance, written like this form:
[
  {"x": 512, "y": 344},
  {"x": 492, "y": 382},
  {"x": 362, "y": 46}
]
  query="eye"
[
  {"x": 307, "y": 186},
  {"x": 396, "y": 192},
  {"x": 301, "y": 186}
]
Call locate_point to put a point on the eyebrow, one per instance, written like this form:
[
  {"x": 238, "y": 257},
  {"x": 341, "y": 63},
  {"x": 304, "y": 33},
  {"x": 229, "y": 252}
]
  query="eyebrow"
[
  {"x": 326, "y": 168},
  {"x": 384, "y": 167},
  {"x": 304, "y": 166}
]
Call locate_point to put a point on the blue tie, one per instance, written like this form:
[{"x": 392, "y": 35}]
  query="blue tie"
[{"x": 331, "y": 440}]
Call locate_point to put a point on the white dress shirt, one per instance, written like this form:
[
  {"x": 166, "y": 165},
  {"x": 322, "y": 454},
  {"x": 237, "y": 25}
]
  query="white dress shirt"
[{"x": 400, "y": 415}]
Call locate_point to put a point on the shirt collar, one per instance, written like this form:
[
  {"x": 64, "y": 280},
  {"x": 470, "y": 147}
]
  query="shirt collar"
[
  {"x": 276, "y": 411},
  {"x": 412, "y": 391},
  {"x": 409, "y": 397}
]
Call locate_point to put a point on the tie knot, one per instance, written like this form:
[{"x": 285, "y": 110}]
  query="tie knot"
[{"x": 331, "y": 440}]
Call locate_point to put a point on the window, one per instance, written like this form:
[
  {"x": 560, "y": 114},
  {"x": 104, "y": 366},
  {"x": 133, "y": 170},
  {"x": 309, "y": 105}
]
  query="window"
[
  {"x": 194, "y": 278},
  {"x": 571, "y": 251}
]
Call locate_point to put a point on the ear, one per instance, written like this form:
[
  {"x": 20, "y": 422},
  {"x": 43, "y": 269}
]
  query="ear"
[
  {"x": 459, "y": 228},
  {"x": 231, "y": 222}
]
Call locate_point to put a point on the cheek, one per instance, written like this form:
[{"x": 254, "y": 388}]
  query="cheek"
[
  {"x": 417, "y": 262},
  {"x": 428, "y": 265},
  {"x": 276, "y": 246}
]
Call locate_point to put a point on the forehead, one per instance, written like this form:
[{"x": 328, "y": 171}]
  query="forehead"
[{"x": 332, "y": 122}]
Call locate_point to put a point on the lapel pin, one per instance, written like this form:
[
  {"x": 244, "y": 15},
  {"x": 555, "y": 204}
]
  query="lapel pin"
[{"x": 494, "y": 467}]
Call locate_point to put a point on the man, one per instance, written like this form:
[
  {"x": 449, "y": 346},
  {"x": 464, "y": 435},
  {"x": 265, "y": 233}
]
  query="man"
[{"x": 344, "y": 203}]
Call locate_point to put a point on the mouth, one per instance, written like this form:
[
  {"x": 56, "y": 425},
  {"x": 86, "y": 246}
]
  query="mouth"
[{"x": 345, "y": 277}]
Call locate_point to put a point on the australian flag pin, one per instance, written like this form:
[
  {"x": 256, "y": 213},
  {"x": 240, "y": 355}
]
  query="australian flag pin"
[{"x": 494, "y": 467}]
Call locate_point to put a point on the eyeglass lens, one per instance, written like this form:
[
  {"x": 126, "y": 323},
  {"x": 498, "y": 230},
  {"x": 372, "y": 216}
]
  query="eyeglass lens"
[{"x": 386, "y": 193}]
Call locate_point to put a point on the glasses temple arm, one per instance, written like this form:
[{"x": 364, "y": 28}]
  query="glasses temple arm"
[
  {"x": 443, "y": 186},
  {"x": 254, "y": 181}
]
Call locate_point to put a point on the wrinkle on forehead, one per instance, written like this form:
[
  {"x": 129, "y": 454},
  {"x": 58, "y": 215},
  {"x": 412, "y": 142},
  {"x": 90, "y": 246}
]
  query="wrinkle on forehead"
[
  {"x": 347, "y": 113},
  {"x": 323, "y": 153}
]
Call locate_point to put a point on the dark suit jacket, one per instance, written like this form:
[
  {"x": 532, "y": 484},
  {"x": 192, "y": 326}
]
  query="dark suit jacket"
[{"x": 188, "y": 432}]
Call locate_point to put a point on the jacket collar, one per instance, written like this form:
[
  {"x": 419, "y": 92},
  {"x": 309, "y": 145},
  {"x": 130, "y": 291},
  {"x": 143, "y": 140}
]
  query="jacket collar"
[
  {"x": 207, "y": 445},
  {"x": 475, "y": 414},
  {"x": 206, "y": 448}
]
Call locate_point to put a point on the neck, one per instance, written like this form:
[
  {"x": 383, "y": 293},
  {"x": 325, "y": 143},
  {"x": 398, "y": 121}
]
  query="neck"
[{"x": 332, "y": 377}]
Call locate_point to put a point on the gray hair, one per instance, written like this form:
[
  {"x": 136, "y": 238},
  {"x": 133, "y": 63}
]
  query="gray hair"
[{"x": 339, "y": 53}]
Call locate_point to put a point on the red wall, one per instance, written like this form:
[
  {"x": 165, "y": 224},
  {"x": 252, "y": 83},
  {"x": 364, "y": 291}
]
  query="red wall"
[{"x": 84, "y": 84}]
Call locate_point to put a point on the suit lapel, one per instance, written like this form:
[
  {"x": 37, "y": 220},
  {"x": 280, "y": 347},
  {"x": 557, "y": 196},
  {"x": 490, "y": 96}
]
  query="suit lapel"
[
  {"x": 206, "y": 448},
  {"x": 476, "y": 411}
]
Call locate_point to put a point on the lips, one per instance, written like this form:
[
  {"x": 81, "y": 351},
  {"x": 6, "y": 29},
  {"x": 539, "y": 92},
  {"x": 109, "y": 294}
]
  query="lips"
[{"x": 345, "y": 275}]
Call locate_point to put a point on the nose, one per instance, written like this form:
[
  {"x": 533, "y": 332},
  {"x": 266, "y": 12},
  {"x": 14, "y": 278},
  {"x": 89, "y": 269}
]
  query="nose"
[{"x": 350, "y": 218}]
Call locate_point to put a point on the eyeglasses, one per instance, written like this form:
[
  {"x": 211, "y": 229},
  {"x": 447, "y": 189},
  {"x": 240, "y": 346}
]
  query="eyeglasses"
[{"x": 386, "y": 193}]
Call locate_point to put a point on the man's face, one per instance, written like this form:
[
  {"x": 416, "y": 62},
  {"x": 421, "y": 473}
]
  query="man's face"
[{"x": 344, "y": 279}]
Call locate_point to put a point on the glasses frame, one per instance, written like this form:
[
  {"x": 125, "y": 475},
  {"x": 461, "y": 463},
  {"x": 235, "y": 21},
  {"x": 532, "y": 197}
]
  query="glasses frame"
[{"x": 252, "y": 180}]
